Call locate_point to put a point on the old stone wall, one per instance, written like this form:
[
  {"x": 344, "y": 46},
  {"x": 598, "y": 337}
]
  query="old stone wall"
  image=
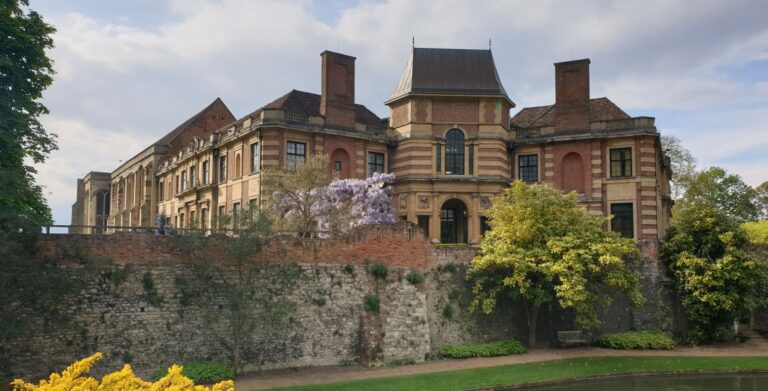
[{"x": 152, "y": 305}]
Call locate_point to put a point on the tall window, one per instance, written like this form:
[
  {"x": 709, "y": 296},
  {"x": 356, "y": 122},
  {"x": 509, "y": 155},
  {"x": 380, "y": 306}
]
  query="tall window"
[
  {"x": 236, "y": 215},
  {"x": 623, "y": 220},
  {"x": 454, "y": 152},
  {"x": 439, "y": 158},
  {"x": 193, "y": 176},
  {"x": 471, "y": 159},
  {"x": 223, "y": 169},
  {"x": 205, "y": 173},
  {"x": 178, "y": 184},
  {"x": 221, "y": 216},
  {"x": 528, "y": 168},
  {"x": 183, "y": 180},
  {"x": 255, "y": 157},
  {"x": 204, "y": 218},
  {"x": 160, "y": 188},
  {"x": 621, "y": 162},
  {"x": 192, "y": 221},
  {"x": 238, "y": 166},
  {"x": 375, "y": 163},
  {"x": 253, "y": 207},
  {"x": 295, "y": 153},
  {"x": 181, "y": 220}
]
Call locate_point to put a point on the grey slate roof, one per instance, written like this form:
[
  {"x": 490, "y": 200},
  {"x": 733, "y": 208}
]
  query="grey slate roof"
[
  {"x": 450, "y": 72},
  {"x": 600, "y": 109},
  {"x": 309, "y": 104}
]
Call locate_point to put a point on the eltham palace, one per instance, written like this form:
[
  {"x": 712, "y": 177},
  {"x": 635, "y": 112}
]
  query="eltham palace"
[{"x": 449, "y": 139}]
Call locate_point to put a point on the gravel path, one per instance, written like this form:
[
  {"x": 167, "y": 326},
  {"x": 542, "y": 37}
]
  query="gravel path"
[{"x": 755, "y": 346}]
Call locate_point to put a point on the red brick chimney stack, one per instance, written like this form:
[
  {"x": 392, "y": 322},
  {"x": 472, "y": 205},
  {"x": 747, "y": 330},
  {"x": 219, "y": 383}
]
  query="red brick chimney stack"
[
  {"x": 572, "y": 95},
  {"x": 337, "y": 97}
]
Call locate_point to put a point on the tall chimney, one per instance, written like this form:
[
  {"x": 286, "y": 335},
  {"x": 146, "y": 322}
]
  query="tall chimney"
[
  {"x": 337, "y": 97},
  {"x": 572, "y": 95}
]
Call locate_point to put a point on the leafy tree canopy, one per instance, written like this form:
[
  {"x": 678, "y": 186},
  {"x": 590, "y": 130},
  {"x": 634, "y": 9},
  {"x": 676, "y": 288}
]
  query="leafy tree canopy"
[
  {"x": 719, "y": 280},
  {"x": 542, "y": 247},
  {"x": 761, "y": 199},
  {"x": 682, "y": 161},
  {"x": 723, "y": 191},
  {"x": 25, "y": 72}
]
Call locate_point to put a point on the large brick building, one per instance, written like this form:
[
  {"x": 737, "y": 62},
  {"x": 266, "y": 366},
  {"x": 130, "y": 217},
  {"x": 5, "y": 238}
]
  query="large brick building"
[{"x": 449, "y": 140}]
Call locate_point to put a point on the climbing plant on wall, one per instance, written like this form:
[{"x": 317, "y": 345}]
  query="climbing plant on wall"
[{"x": 238, "y": 292}]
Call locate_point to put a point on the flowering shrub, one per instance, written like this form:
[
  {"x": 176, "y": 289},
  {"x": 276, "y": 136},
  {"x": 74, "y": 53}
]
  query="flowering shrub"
[
  {"x": 72, "y": 379},
  {"x": 342, "y": 205}
]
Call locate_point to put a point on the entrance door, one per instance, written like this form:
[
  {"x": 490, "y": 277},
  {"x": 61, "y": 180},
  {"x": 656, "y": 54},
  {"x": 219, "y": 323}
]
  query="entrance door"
[{"x": 453, "y": 222}]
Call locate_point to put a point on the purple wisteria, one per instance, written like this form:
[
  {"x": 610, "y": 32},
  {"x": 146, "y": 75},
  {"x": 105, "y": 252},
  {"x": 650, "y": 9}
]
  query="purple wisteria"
[{"x": 342, "y": 205}]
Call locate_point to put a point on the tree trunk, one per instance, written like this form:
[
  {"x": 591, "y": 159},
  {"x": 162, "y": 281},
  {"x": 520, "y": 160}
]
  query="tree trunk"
[{"x": 532, "y": 316}]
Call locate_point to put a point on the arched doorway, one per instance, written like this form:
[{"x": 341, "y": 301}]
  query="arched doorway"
[
  {"x": 453, "y": 222},
  {"x": 573, "y": 173},
  {"x": 340, "y": 163}
]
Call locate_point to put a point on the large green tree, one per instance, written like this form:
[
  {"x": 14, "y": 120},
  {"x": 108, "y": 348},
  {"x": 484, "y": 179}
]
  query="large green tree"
[
  {"x": 544, "y": 247},
  {"x": 725, "y": 192},
  {"x": 25, "y": 72},
  {"x": 27, "y": 289},
  {"x": 719, "y": 280}
]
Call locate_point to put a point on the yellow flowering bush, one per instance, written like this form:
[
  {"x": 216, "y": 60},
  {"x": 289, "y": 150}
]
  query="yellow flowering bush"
[{"x": 124, "y": 380}]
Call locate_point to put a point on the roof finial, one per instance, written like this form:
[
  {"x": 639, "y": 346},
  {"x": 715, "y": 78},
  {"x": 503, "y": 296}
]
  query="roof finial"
[
  {"x": 489, "y": 44},
  {"x": 413, "y": 41}
]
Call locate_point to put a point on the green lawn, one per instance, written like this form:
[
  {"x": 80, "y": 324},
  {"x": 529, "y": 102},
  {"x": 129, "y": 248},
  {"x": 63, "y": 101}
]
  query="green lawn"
[{"x": 545, "y": 371}]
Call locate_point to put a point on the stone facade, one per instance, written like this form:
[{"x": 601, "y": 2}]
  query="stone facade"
[
  {"x": 449, "y": 141},
  {"x": 324, "y": 321},
  {"x": 90, "y": 212}
]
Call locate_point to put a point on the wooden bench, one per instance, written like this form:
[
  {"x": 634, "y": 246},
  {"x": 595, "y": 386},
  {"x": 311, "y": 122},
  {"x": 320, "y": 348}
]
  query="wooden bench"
[{"x": 571, "y": 338}]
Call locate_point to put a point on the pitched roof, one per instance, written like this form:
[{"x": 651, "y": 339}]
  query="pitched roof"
[
  {"x": 450, "y": 72},
  {"x": 168, "y": 138},
  {"x": 309, "y": 104},
  {"x": 600, "y": 109}
]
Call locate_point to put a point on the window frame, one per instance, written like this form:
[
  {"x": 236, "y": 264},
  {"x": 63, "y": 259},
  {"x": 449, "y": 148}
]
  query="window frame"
[
  {"x": 455, "y": 152},
  {"x": 205, "y": 172},
  {"x": 624, "y": 162},
  {"x": 255, "y": 157},
  {"x": 223, "y": 167},
  {"x": 372, "y": 165},
  {"x": 291, "y": 157},
  {"x": 630, "y": 215},
  {"x": 527, "y": 169},
  {"x": 193, "y": 176}
]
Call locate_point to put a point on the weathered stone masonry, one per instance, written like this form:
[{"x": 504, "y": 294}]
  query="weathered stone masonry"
[{"x": 328, "y": 324}]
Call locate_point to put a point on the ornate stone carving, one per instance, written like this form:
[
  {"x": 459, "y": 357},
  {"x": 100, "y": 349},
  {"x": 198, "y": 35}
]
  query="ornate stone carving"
[
  {"x": 403, "y": 201},
  {"x": 423, "y": 201},
  {"x": 485, "y": 202}
]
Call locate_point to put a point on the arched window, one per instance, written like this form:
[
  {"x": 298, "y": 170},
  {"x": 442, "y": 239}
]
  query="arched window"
[
  {"x": 238, "y": 166},
  {"x": 454, "y": 152}
]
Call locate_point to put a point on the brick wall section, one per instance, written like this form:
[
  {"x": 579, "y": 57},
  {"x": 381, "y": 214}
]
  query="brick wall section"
[
  {"x": 572, "y": 95},
  {"x": 563, "y": 178},
  {"x": 457, "y": 111},
  {"x": 214, "y": 118},
  {"x": 337, "y": 100},
  {"x": 397, "y": 245}
]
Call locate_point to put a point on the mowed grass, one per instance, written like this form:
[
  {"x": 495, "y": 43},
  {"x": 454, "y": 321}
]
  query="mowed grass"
[{"x": 545, "y": 371}]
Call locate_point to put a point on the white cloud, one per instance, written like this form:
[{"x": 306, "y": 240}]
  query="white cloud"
[{"x": 120, "y": 87}]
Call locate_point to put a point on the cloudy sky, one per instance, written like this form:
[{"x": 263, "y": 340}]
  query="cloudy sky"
[{"x": 130, "y": 71}]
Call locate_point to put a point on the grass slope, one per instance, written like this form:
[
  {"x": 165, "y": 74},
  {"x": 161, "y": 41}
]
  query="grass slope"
[{"x": 544, "y": 371}]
